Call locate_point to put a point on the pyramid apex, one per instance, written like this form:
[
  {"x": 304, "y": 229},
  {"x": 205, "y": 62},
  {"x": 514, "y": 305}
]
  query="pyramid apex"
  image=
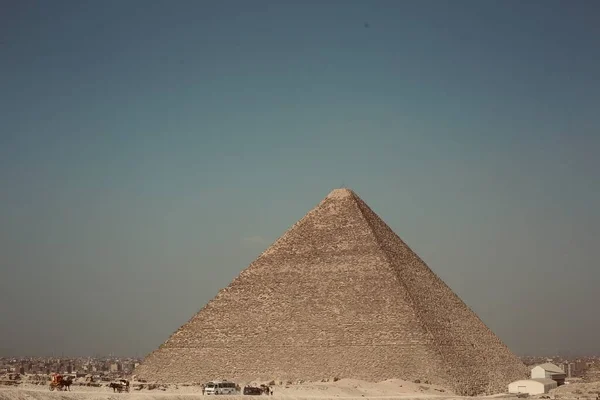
[{"x": 340, "y": 193}]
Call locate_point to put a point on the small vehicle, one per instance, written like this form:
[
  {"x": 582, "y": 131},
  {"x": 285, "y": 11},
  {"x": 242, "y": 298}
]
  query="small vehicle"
[
  {"x": 257, "y": 391},
  {"x": 252, "y": 391},
  {"x": 221, "y": 387}
]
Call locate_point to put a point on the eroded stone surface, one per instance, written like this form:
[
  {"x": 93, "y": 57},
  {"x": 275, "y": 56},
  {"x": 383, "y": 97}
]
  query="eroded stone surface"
[{"x": 339, "y": 294}]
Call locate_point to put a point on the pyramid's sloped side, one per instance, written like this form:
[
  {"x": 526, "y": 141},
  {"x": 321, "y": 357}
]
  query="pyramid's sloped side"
[
  {"x": 322, "y": 301},
  {"x": 474, "y": 356}
]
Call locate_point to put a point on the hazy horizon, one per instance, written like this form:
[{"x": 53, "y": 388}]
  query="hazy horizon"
[{"x": 149, "y": 151}]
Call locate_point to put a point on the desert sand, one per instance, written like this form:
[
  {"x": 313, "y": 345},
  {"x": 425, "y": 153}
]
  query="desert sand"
[{"x": 344, "y": 388}]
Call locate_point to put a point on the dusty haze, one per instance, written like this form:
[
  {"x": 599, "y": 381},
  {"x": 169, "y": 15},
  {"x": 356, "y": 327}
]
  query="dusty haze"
[{"x": 149, "y": 153}]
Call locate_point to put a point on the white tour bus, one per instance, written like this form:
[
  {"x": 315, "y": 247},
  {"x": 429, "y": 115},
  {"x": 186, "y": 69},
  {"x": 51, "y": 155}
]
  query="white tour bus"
[{"x": 220, "y": 387}]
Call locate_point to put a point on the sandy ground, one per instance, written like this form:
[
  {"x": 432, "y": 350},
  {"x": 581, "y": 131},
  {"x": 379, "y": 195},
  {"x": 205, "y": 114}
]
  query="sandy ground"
[
  {"x": 581, "y": 391},
  {"x": 344, "y": 388}
]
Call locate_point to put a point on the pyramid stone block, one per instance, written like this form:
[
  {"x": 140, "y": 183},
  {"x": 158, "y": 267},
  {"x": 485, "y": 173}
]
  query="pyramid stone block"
[{"x": 339, "y": 294}]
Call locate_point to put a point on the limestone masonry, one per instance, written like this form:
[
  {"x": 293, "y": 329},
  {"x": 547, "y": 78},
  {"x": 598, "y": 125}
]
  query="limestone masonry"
[{"x": 338, "y": 295}]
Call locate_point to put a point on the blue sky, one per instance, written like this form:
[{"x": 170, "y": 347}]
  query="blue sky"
[{"x": 150, "y": 150}]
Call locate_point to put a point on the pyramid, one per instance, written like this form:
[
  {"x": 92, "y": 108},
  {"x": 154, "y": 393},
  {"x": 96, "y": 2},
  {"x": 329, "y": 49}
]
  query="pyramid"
[{"x": 338, "y": 295}]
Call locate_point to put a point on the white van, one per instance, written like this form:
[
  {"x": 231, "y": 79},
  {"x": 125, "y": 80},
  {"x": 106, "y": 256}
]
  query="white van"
[{"x": 221, "y": 387}]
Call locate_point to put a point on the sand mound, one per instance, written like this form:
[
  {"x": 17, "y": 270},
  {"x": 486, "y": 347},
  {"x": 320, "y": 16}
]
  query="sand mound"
[
  {"x": 578, "y": 390},
  {"x": 357, "y": 388}
]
